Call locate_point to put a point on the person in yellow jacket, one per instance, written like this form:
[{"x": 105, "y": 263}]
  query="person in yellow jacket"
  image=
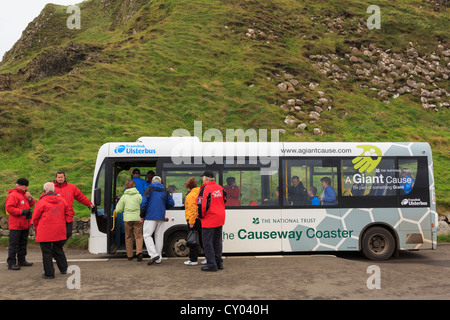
[{"x": 193, "y": 222}]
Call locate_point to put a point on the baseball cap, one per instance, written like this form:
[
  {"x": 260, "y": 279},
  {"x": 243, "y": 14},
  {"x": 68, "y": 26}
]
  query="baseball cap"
[{"x": 208, "y": 174}]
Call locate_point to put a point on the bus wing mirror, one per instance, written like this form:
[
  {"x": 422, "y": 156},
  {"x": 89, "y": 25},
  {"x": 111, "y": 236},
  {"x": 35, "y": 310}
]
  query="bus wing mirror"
[{"x": 98, "y": 196}]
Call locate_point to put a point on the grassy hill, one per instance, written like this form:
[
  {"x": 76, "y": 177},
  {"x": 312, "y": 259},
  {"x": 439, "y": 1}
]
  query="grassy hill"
[{"x": 144, "y": 68}]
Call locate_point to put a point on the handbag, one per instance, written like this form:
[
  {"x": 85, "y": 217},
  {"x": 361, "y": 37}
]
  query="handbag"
[{"x": 192, "y": 238}]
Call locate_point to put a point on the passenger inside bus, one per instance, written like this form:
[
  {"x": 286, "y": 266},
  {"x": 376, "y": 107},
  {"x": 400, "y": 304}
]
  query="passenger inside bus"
[
  {"x": 272, "y": 202},
  {"x": 328, "y": 196},
  {"x": 313, "y": 198},
  {"x": 297, "y": 194},
  {"x": 407, "y": 181},
  {"x": 233, "y": 193}
]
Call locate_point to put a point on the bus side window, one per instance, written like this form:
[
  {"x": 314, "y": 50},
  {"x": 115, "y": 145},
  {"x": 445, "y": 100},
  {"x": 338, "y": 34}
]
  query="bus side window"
[
  {"x": 250, "y": 188},
  {"x": 310, "y": 182},
  {"x": 408, "y": 175}
]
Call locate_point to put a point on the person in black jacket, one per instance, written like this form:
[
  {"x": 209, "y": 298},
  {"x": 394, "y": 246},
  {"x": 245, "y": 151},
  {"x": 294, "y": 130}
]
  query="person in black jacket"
[{"x": 297, "y": 193}]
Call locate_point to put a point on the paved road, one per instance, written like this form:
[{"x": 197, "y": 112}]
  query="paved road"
[{"x": 412, "y": 275}]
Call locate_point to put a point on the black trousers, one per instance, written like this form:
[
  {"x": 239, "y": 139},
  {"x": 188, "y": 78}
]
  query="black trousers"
[
  {"x": 17, "y": 249},
  {"x": 193, "y": 252},
  {"x": 212, "y": 245},
  {"x": 53, "y": 250}
]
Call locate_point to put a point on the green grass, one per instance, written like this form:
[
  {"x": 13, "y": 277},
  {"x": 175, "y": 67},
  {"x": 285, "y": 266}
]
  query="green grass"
[{"x": 191, "y": 61}]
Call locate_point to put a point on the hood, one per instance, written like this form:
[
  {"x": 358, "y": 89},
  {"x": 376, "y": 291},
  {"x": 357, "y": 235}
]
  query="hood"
[
  {"x": 157, "y": 186},
  {"x": 131, "y": 191},
  {"x": 51, "y": 197},
  {"x": 16, "y": 190}
]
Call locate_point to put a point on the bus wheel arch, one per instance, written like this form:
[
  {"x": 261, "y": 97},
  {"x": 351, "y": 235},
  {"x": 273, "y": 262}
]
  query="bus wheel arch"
[{"x": 378, "y": 241}]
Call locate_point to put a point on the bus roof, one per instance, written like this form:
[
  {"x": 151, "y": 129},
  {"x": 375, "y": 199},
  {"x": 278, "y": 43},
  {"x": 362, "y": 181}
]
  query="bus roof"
[{"x": 192, "y": 146}]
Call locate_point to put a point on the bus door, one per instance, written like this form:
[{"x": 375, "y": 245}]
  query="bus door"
[
  {"x": 122, "y": 171},
  {"x": 311, "y": 218}
]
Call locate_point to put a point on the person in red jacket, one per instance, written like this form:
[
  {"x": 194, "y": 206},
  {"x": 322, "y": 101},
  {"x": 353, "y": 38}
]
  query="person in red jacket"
[
  {"x": 69, "y": 192},
  {"x": 18, "y": 205},
  {"x": 233, "y": 193},
  {"x": 49, "y": 219},
  {"x": 211, "y": 211}
]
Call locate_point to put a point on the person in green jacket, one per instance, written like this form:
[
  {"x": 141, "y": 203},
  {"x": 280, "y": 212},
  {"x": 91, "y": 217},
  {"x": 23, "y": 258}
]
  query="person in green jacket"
[{"x": 130, "y": 204}]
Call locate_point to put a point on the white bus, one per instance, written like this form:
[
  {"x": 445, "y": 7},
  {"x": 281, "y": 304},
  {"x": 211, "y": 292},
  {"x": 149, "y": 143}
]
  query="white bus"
[{"x": 377, "y": 198}]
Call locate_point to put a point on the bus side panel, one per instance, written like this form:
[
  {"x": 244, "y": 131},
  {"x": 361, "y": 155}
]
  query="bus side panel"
[
  {"x": 316, "y": 230},
  {"x": 252, "y": 231},
  {"x": 412, "y": 225},
  {"x": 414, "y": 228}
]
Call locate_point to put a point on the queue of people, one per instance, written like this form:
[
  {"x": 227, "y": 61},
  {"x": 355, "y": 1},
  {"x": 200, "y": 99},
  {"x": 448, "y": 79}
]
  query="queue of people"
[
  {"x": 143, "y": 214},
  {"x": 52, "y": 218},
  {"x": 204, "y": 212}
]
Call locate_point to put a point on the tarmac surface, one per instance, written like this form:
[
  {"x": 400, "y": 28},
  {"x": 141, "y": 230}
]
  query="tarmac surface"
[{"x": 415, "y": 275}]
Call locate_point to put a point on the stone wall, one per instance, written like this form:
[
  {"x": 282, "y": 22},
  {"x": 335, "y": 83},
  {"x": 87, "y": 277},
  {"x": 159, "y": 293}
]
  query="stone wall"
[{"x": 81, "y": 226}]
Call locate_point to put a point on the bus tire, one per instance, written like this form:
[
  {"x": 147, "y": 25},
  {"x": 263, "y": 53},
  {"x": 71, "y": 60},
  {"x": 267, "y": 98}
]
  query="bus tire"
[
  {"x": 378, "y": 244},
  {"x": 176, "y": 245}
]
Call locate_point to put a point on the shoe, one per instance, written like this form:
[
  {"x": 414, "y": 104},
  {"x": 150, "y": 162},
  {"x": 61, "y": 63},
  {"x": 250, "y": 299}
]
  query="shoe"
[
  {"x": 44, "y": 276},
  {"x": 190, "y": 263},
  {"x": 114, "y": 248},
  {"x": 220, "y": 265},
  {"x": 25, "y": 263},
  {"x": 206, "y": 268},
  {"x": 139, "y": 257},
  {"x": 14, "y": 267},
  {"x": 130, "y": 258},
  {"x": 204, "y": 262},
  {"x": 152, "y": 260},
  {"x": 64, "y": 272}
]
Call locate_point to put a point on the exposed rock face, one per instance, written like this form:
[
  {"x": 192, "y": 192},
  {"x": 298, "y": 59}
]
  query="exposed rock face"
[{"x": 58, "y": 61}]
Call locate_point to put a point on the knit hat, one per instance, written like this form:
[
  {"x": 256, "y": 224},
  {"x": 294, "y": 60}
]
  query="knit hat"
[{"x": 22, "y": 182}]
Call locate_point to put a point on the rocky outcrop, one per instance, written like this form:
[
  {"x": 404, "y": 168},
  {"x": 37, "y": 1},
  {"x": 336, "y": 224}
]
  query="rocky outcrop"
[
  {"x": 385, "y": 75},
  {"x": 390, "y": 74},
  {"x": 60, "y": 60}
]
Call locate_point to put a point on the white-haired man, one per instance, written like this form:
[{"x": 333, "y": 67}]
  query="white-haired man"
[{"x": 49, "y": 219}]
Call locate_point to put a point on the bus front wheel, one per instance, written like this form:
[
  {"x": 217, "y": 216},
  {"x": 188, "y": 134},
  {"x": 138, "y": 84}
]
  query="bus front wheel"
[
  {"x": 378, "y": 244},
  {"x": 176, "y": 245}
]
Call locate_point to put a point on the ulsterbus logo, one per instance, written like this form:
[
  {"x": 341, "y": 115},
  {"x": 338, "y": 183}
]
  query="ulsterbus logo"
[
  {"x": 119, "y": 149},
  {"x": 414, "y": 202},
  {"x": 133, "y": 149}
]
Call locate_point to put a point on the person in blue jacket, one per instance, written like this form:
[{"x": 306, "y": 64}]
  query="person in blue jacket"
[
  {"x": 328, "y": 194},
  {"x": 407, "y": 181},
  {"x": 153, "y": 213},
  {"x": 140, "y": 184},
  {"x": 313, "y": 198}
]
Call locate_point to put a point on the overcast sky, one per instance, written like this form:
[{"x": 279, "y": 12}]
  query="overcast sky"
[{"x": 15, "y": 15}]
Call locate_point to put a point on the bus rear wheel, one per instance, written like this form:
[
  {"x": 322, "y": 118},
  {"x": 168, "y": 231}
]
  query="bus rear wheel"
[{"x": 378, "y": 244}]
